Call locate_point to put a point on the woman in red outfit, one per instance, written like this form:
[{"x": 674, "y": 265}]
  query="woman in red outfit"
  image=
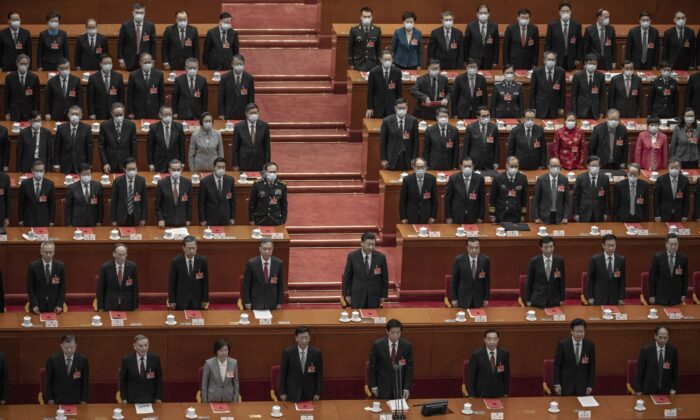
[
  {"x": 651, "y": 150},
  {"x": 569, "y": 145}
]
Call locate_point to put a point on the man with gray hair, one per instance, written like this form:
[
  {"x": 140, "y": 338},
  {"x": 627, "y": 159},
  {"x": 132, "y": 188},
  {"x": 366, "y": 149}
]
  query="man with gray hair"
[
  {"x": 263, "y": 280},
  {"x": 190, "y": 93},
  {"x": 46, "y": 282},
  {"x": 173, "y": 198},
  {"x": 609, "y": 142},
  {"x": 140, "y": 376},
  {"x": 166, "y": 141},
  {"x": 188, "y": 281},
  {"x": 631, "y": 197},
  {"x": 73, "y": 143},
  {"x": 67, "y": 374}
]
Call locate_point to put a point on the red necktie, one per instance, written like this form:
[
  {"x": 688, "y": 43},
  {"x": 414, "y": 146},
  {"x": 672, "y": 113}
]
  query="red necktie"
[
  {"x": 266, "y": 273},
  {"x": 393, "y": 353},
  {"x": 142, "y": 369},
  {"x": 120, "y": 276},
  {"x": 492, "y": 362},
  {"x": 175, "y": 192}
]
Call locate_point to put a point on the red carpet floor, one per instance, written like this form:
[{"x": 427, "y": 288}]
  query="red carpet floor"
[
  {"x": 288, "y": 61},
  {"x": 272, "y": 16},
  {"x": 317, "y": 157},
  {"x": 327, "y": 264},
  {"x": 332, "y": 210},
  {"x": 302, "y": 108}
]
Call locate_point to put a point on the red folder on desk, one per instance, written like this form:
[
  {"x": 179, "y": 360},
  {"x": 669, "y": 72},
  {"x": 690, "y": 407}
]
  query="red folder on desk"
[
  {"x": 660, "y": 399},
  {"x": 193, "y": 314},
  {"x": 493, "y": 404},
  {"x": 126, "y": 231},
  {"x": 636, "y": 225},
  {"x": 553, "y": 311},
  {"x": 369, "y": 313},
  {"x": 219, "y": 408},
  {"x": 304, "y": 406},
  {"x": 48, "y": 316},
  {"x": 216, "y": 229},
  {"x": 69, "y": 409},
  {"x": 474, "y": 312},
  {"x": 117, "y": 315},
  {"x": 87, "y": 230},
  {"x": 41, "y": 230},
  {"x": 471, "y": 228},
  {"x": 267, "y": 230}
]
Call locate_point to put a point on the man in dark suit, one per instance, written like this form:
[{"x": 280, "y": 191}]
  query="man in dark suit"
[
  {"x": 609, "y": 142},
  {"x": 84, "y": 201},
  {"x": 564, "y": 38},
  {"x": 166, "y": 141},
  {"x": 136, "y": 36},
  {"x": 129, "y": 204},
  {"x": 190, "y": 93},
  {"x": 551, "y": 203},
  {"x": 643, "y": 44},
  {"x": 657, "y": 366},
  {"x": 62, "y": 92},
  {"x": 4, "y": 200},
  {"x": 4, "y": 150},
  {"x": 146, "y": 92},
  {"x": 301, "y": 369},
  {"x": 188, "y": 280},
  {"x": 217, "y": 197},
  {"x": 173, "y": 194},
  {"x": 672, "y": 195},
  {"x": 664, "y": 94},
  {"x": 625, "y": 92},
  {"x": 630, "y": 197},
  {"x": 471, "y": 277},
  {"x": 679, "y": 44},
  {"x": 606, "y": 275},
  {"x": 446, "y": 44},
  {"x": 431, "y": 91},
  {"x": 267, "y": 203},
  {"x": 668, "y": 275},
  {"x": 546, "y": 277},
  {"x": 263, "y": 280},
  {"x": 527, "y": 142},
  {"x": 364, "y": 43},
  {"x": 180, "y": 42},
  {"x": 251, "y": 141},
  {"x": 14, "y": 41},
  {"x": 140, "y": 376},
  {"x": 21, "y": 92},
  {"x": 117, "y": 140},
  {"x": 220, "y": 45},
  {"x": 692, "y": 93},
  {"x": 481, "y": 141},
  {"x": 236, "y": 91},
  {"x": 600, "y": 39},
  {"x": 574, "y": 363},
  {"x": 418, "y": 200},
  {"x": 383, "y": 88},
  {"x": 89, "y": 47},
  {"x": 588, "y": 91},
  {"x": 489, "y": 369},
  {"x": 37, "y": 199},
  {"x": 521, "y": 43},
  {"x": 465, "y": 195},
  {"x": 441, "y": 143},
  {"x": 481, "y": 39},
  {"x": 104, "y": 88},
  {"x": 46, "y": 282},
  {"x": 117, "y": 285},
  {"x": 366, "y": 276},
  {"x": 387, "y": 358},
  {"x": 509, "y": 195},
  {"x": 590, "y": 201},
  {"x": 67, "y": 375},
  {"x": 469, "y": 92},
  {"x": 548, "y": 88},
  {"x": 4, "y": 380},
  {"x": 73, "y": 143},
  {"x": 34, "y": 143},
  {"x": 398, "y": 138}
]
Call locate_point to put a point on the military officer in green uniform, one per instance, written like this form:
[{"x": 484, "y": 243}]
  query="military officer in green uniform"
[
  {"x": 267, "y": 205},
  {"x": 363, "y": 43}
]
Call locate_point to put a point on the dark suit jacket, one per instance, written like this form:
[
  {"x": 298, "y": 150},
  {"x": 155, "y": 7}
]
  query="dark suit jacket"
[
  {"x": 47, "y": 294},
  {"x": 543, "y": 292},
  {"x": 50, "y": 49},
  {"x": 381, "y": 373},
  {"x": 4, "y": 149},
  {"x": 531, "y": 154},
  {"x": 663, "y": 98},
  {"x": 188, "y": 291},
  {"x": 548, "y": 98},
  {"x": 441, "y": 153},
  {"x": 599, "y": 145},
  {"x": 451, "y": 56},
  {"x": 542, "y": 203},
  {"x": 26, "y": 145},
  {"x": 217, "y": 208},
  {"x": 604, "y": 289},
  {"x": 607, "y": 56},
  {"x": 216, "y": 55},
  {"x": 21, "y": 100},
  {"x": 65, "y": 387},
  {"x": 507, "y": 100},
  {"x": 9, "y": 50},
  {"x": 464, "y": 105},
  {"x": 574, "y": 378},
  {"x": 423, "y": 90},
  {"x": 633, "y": 52},
  {"x": 418, "y": 206},
  {"x": 485, "y": 383},
  {"x": 111, "y": 296},
  {"x": 119, "y": 201},
  {"x": 4, "y": 197},
  {"x": 668, "y": 207},
  {"x": 35, "y": 211},
  {"x": 567, "y": 52},
  {"x": 101, "y": 98},
  {"x": 485, "y": 54},
  {"x": 470, "y": 292},
  {"x": 680, "y": 54},
  {"x": 81, "y": 212},
  {"x": 382, "y": 93},
  {"x": 629, "y": 106},
  {"x": 144, "y": 101},
  {"x": 621, "y": 202},
  {"x": 175, "y": 52},
  {"x": 167, "y": 209},
  {"x": 589, "y": 204},
  {"x": 392, "y": 142},
  {"x": 692, "y": 93},
  {"x": 668, "y": 288},
  {"x": 4, "y": 379},
  {"x": 249, "y": 155},
  {"x": 232, "y": 100},
  {"x": 508, "y": 199},
  {"x": 159, "y": 155},
  {"x": 133, "y": 388},
  {"x": 465, "y": 206},
  {"x": 585, "y": 102},
  {"x": 190, "y": 105},
  {"x": 301, "y": 383},
  {"x": 88, "y": 58},
  {"x": 514, "y": 53},
  {"x": 126, "y": 44},
  {"x": 258, "y": 293},
  {"x": 483, "y": 151},
  {"x": 267, "y": 203},
  {"x": 365, "y": 289},
  {"x": 71, "y": 153},
  {"x": 646, "y": 379},
  {"x": 114, "y": 147}
]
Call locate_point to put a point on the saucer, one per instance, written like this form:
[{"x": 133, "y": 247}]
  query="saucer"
[
  {"x": 115, "y": 239},
  {"x": 96, "y": 325},
  {"x": 244, "y": 322},
  {"x": 594, "y": 234},
  {"x": 531, "y": 320},
  {"x": 103, "y": 182},
  {"x": 78, "y": 239},
  {"x": 187, "y": 416},
  {"x": 25, "y": 236},
  {"x": 640, "y": 409},
  {"x": 276, "y": 415},
  {"x": 345, "y": 321},
  {"x": 500, "y": 234},
  {"x": 145, "y": 130},
  {"x": 464, "y": 320},
  {"x": 171, "y": 323},
  {"x": 631, "y": 233},
  {"x": 356, "y": 320},
  {"x": 653, "y": 317},
  {"x": 373, "y": 410},
  {"x": 467, "y": 412},
  {"x": 542, "y": 234},
  {"x": 608, "y": 317},
  {"x": 423, "y": 236},
  {"x": 118, "y": 418},
  {"x": 460, "y": 235},
  {"x": 553, "y": 411}
]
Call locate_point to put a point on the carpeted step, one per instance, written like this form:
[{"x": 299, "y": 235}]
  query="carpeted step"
[
  {"x": 279, "y": 41},
  {"x": 298, "y": 87},
  {"x": 327, "y": 157},
  {"x": 325, "y": 187},
  {"x": 289, "y": 62},
  {"x": 328, "y": 296},
  {"x": 332, "y": 209},
  {"x": 306, "y": 135},
  {"x": 303, "y": 108},
  {"x": 278, "y": 14}
]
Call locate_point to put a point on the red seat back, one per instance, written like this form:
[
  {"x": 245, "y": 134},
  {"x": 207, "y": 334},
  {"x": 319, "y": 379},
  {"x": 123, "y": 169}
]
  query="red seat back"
[
  {"x": 645, "y": 285},
  {"x": 584, "y": 287},
  {"x": 42, "y": 382},
  {"x": 547, "y": 375},
  {"x": 521, "y": 289},
  {"x": 465, "y": 377},
  {"x": 631, "y": 372},
  {"x": 275, "y": 380}
]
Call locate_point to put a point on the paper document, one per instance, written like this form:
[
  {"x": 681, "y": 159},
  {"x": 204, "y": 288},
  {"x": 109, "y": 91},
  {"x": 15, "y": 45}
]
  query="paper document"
[
  {"x": 396, "y": 405},
  {"x": 144, "y": 408},
  {"x": 588, "y": 402},
  {"x": 266, "y": 314}
]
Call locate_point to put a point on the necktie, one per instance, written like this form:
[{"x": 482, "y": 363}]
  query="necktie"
[
  {"x": 593, "y": 182},
  {"x": 223, "y": 37},
  {"x": 190, "y": 269},
  {"x": 644, "y": 46},
  {"x": 661, "y": 366},
  {"x": 72, "y": 134},
  {"x": 219, "y": 187},
  {"x": 611, "y": 143},
  {"x": 523, "y": 35},
  {"x": 590, "y": 80},
  {"x": 420, "y": 184},
  {"x": 367, "y": 268},
  {"x": 167, "y": 135},
  {"x": 130, "y": 198},
  {"x": 37, "y": 189},
  {"x": 528, "y": 135},
  {"x": 238, "y": 81},
  {"x": 401, "y": 128},
  {"x": 266, "y": 272},
  {"x": 547, "y": 267},
  {"x": 467, "y": 181},
  {"x": 146, "y": 77},
  {"x": 473, "y": 268},
  {"x": 492, "y": 361},
  {"x": 69, "y": 362},
  {"x": 120, "y": 275},
  {"x": 106, "y": 80},
  {"x": 483, "y": 33},
  {"x": 303, "y": 360},
  {"x": 182, "y": 37},
  {"x": 393, "y": 353},
  {"x": 578, "y": 352},
  {"x": 138, "y": 38},
  {"x": 64, "y": 86},
  {"x": 252, "y": 133},
  {"x": 21, "y": 79},
  {"x": 549, "y": 76},
  {"x": 633, "y": 198},
  {"x": 175, "y": 192},
  {"x": 471, "y": 86},
  {"x": 672, "y": 262},
  {"x": 86, "y": 192},
  {"x": 37, "y": 143},
  {"x": 566, "y": 34},
  {"x": 433, "y": 89},
  {"x": 191, "y": 85},
  {"x": 142, "y": 368},
  {"x": 610, "y": 267},
  {"x": 14, "y": 36},
  {"x": 601, "y": 34},
  {"x": 47, "y": 272},
  {"x": 443, "y": 132},
  {"x": 627, "y": 86},
  {"x": 483, "y": 133},
  {"x": 447, "y": 39},
  {"x": 554, "y": 194},
  {"x": 386, "y": 75},
  {"x": 680, "y": 34},
  {"x": 92, "y": 42}
]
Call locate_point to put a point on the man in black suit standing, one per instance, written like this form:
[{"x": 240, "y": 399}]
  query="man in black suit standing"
[
  {"x": 62, "y": 92},
  {"x": 509, "y": 195},
  {"x": 630, "y": 197},
  {"x": 446, "y": 44},
  {"x": 606, "y": 275},
  {"x": 441, "y": 143},
  {"x": 67, "y": 374},
  {"x": 387, "y": 358},
  {"x": 4, "y": 150},
  {"x": 609, "y": 142},
  {"x": 263, "y": 280},
  {"x": 564, "y": 38},
  {"x": 469, "y": 92},
  {"x": 301, "y": 369},
  {"x": 471, "y": 277},
  {"x": 692, "y": 93},
  {"x": 136, "y": 36},
  {"x": 73, "y": 143},
  {"x": 366, "y": 276},
  {"x": 251, "y": 141},
  {"x": 104, "y": 88},
  {"x": 398, "y": 138},
  {"x": 465, "y": 196},
  {"x": 600, "y": 39},
  {"x": 431, "y": 91},
  {"x": 180, "y": 42},
  {"x": 481, "y": 141},
  {"x": 146, "y": 92},
  {"x": 588, "y": 91},
  {"x": 166, "y": 141},
  {"x": 679, "y": 44},
  {"x": 625, "y": 92},
  {"x": 383, "y": 88},
  {"x": 489, "y": 369},
  {"x": 551, "y": 204},
  {"x": 267, "y": 203},
  {"x": 140, "y": 376},
  {"x": 21, "y": 92},
  {"x": 672, "y": 195},
  {"x": 643, "y": 44},
  {"x": 117, "y": 140},
  {"x": 548, "y": 88},
  {"x": 668, "y": 275},
  {"x": 574, "y": 363},
  {"x": 188, "y": 280},
  {"x": 173, "y": 204},
  {"x": 89, "y": 47},
  {"x": 236, "y": 91},
  {"x": 481, "y": 39},
  {"x": 521, "y": 43},
  {"x": 46, "y": 282},
  {"x": 418, "y": 200},
  {"x": 4, "y": 380},
  {"x": 129, "y": 206},
  {"x": 657, "y": 366},
  {"x": 526, "y": 142},
  {"x": 217, "y": 197},
  {"x": 220, "y": 45},
  {"x": 34, "y": 143},
  {"x": 37, "y": 199},
  {"x": 546, "y": 277},
  {"x": 14, "y": 41},
  {"x": 190, "y": 93},
  {"x": 84, "y": 201},
  {"x": 590, "y": 201},
  {"x": 5, "y": 184},
  {"x": 117, "y": 285}
]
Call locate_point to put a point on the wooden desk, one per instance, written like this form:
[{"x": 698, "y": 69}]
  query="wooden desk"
[{"x": 424, "y": 262}]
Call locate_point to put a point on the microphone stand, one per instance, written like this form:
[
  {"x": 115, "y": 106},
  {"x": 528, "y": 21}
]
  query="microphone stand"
[{"x": 399, "y": 413}]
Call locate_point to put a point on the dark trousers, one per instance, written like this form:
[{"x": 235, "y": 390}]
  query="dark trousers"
[{"x": 692, "y": 164}]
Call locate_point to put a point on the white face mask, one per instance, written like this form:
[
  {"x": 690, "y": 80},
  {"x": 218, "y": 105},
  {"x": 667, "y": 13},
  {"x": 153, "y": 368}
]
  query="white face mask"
[
  {"x": 131, "y": 173},
  {"x": 471, "y": 71},
  {"x": 22, "y": 69},
  {"x": 512, "y": 171},
  {"x": 147, "y": 66},
  {"x": 653, "y": 129},
  {"x": 15, "y": 24},
  {"x": 220, "y": 172},
  {"x": 594, "y": 170},
  {"x": 119, "y": 119},
  {"x": 484, "y": 120},
  {"x": 408, "y": 26},
  {"x": 433, "y": 73},
  {"x": 64, "y": 73},
  {"x": 182, "y": 24},
  {"x": 92, "y": 31},
  {"x": 565, "y": 16},
  {"x": 225, "y": 26},
  {"x": 167, "y": 119},
  {"x": 138, "y": 17},
  {"x": 447, "y": 23},
  {"x": 271, "y": 176},
  {"x": 554, "y": 170},
  {"x": 38, "y": 175},
  {"x": 612, "y": 124},
  {"x": 632, "y": 178},
  {"x": 401, "y": 113},
  {"x": 689, "y": 120},
  {"x": 509, "y": 77},
  {"x": 106, "y": 68},
  {"x": 591, "y": 67},
  {"x": 524, "y": 22},
  {"x": 387, "y": 64},
  {"x": 645, "y": 24},
  {"x": 570, "y": 125},
  {"x": 207, "y": 125},
  {"x": 74, "y": 119},
  {"x": 36, "y": 125},
  {"x": 674, "y": 172},
  {"x": 442, "y": 121},
  {"x": 529, "y": 123},
  {"x": 53, "y": 24},
  {"x": 85, "y": 179},
  {"x": 483, "y": 17},
  {"x": 680, "y": 23},
  {"x": 606, "y": 22},
  {"x": 420, "y": 172},
  {"x": 191, "y": 72},
  {"x": 550, "y": 64},
  {"x": 253, "y": 117},
  {"x": 467, "y": 171},
  {"x": 628, "y": 73},
  {"x": 238, "y": 68},
  {"x": 665, "y": 74},
  {"x": 366, "y": 21},
  {"x": 175, "y": 174}
]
